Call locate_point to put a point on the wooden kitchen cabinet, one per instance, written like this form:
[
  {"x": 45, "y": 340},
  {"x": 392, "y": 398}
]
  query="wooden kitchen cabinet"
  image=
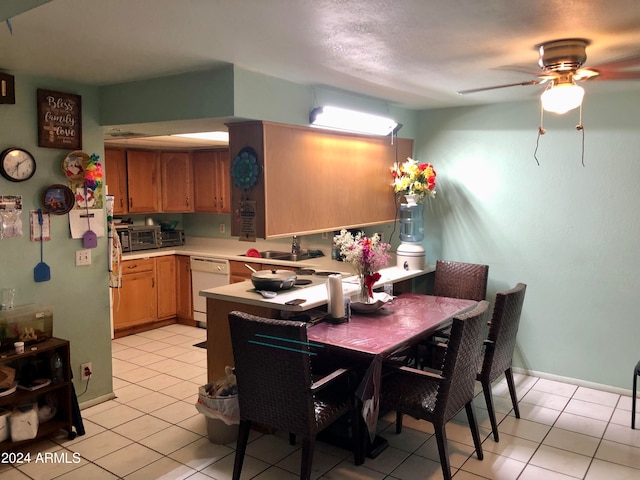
[
  {"x": 115, "y": 166},
  {"x": 143, "y": 181},
  {"x": 166, "y": 281},
  {"x": 184, "y": 294},
  {"x": 176, "y": 183},
  {"x": 313, "y": 180},
  {"x": 39, "y": 356},
  {"x": 135, "y": 303},
  {"x": 212, "y": 180}
]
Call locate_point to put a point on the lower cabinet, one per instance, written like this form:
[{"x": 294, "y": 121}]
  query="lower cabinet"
[
  {"x": 166, "y": 281},
  {"x": 184, "y": 294},
  {"x": 135, "y": 303},
  {"x": 148, "y": 297},
  {"x": 37, "y": 362}
]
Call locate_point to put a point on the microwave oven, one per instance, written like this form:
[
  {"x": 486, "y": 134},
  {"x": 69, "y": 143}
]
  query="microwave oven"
[{"x": 139, "y": 238}]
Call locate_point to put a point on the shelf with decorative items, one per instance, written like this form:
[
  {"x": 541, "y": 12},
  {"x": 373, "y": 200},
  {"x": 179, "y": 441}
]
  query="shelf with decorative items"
[{"x": 412, "y": 183}]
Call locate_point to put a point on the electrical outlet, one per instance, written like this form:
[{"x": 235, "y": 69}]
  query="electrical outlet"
[
  {"x": 86, "y": 370},
  {"x": 325, "y": 235},
  {"x": 222, "y": 228},
  {"x": 83, "y": 258}
]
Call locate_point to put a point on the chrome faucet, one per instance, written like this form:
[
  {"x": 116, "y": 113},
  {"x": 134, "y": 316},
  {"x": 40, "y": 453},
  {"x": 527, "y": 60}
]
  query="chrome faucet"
[{"x": 295, "y": 245}]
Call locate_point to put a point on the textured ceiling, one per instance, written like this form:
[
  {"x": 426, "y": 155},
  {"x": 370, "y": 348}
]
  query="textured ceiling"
[{"x": 411, "y": 53}]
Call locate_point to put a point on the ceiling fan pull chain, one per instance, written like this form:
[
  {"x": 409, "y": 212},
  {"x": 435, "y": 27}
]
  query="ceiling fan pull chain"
[
  {"x": 541, "y": 131},
  {"x": 580, "y": 128}
]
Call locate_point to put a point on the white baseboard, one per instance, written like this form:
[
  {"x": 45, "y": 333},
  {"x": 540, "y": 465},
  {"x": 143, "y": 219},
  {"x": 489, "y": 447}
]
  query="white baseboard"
[
  {"x": 97, "y": 400},
  {"x": 574, "y": 381}
]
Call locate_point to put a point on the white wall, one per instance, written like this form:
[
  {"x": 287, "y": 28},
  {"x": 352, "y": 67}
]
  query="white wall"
[{"x": 569, "y": 232}]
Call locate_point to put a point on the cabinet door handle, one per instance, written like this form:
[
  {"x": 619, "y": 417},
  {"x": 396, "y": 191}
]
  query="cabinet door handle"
[
  {"x": 153, "y": 283},
  {"x": 120, "y": 202},
  {"x": 130, "y": 202},
  {"x": 131, "y": 267},
  {"x": 187, "y": 200}
]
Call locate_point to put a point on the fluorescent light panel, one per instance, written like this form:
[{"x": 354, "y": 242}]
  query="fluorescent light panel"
[
  {"x": 219, "y": 136},
  {"x": 336, "y": 118}
]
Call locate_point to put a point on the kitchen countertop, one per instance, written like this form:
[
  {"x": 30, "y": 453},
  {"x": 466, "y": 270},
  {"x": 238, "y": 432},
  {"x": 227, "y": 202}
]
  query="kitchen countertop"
[
  {"x": 244, "y": 292},
  {"x": 314, "y": 295}
]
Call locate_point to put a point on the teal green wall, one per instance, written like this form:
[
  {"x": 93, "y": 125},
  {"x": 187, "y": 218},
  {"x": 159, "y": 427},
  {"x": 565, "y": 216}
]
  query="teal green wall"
[
  {"x": 569, "y": 232},
  {"x": 203, "y": 94},
  {"x": 79, "y": 295}
]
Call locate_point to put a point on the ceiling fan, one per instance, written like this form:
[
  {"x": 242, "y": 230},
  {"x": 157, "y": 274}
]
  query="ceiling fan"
[{"x": 561, "y": 63}]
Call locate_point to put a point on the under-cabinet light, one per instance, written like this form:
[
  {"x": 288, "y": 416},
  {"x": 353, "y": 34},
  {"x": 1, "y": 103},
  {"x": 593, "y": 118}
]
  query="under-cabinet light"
[{"x": 350, "y": 120}]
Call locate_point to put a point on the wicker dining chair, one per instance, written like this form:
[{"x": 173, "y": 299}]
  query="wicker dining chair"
[
  {"x": 276, "y": 389},
  {"x": 460, "y": 280},
  {"x": 437, "y": 398},
  {"x": 499, "y": 346},
  {"x": 455, "y": 280}
]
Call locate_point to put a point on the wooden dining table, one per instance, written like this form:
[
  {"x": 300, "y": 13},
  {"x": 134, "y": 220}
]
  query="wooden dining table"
[{"x": 373, "y": 338}]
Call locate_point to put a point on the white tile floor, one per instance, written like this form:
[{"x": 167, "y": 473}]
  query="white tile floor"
[{"x": 153, "y": 431}]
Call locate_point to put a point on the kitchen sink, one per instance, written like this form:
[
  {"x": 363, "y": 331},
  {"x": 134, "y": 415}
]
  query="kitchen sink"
[{"x": 279, "y": 255}]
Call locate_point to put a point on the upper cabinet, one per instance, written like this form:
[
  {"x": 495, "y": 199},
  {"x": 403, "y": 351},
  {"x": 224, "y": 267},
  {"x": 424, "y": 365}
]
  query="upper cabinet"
[
  {"x": 211, "y": 180},
  {"x": 177, "y": 188},
  {"x": 115, "y": 163},
  {"x": 310, "y": 180},
  {"x": 154, "y": 181},
  {"x": 143, "y": 180}
]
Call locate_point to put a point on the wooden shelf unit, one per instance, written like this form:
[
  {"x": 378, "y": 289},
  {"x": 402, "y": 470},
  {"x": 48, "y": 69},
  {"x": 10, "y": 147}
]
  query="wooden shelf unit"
[{"x": 34, "y": 354}]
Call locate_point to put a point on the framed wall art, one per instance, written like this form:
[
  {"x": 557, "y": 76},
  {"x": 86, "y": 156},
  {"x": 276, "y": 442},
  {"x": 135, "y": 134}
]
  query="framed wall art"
[{"x": 59, "y": 120}]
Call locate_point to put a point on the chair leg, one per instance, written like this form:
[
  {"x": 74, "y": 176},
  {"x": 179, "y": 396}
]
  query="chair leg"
[
  {"x": 308, "y": 445},
  {"x": 398, "y": 422},
  {"x": 633, "y": 398},
  {"x": 508, "y": 373},
  {"x": 443, "y": 450},
  {"x": 488, "y": 398},
  {"x": 241, "y": 447},
  {"x": 475, "y": 432}
]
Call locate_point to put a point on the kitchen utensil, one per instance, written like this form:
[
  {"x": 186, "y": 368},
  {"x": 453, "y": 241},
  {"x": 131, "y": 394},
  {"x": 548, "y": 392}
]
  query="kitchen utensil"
[
  {"x": 89, "y": 239},
  {"x": 267, "y": 294},
  {"x": 41, "y": 272},
  {"x": 251, "y": 268},
  {"x": 273, "y": 280},
  {"x": 252, "y": 252}
]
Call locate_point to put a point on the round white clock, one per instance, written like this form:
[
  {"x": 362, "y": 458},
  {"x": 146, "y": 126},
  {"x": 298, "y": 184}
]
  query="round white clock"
[{"x": 17, "y": 165}]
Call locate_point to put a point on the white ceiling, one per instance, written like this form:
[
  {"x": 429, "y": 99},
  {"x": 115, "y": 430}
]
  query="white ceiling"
[{"x": 411, "y": 53}]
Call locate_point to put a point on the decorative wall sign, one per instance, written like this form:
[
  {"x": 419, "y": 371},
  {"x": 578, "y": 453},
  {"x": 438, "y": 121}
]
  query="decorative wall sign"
[{"x": 59, "y": 120}]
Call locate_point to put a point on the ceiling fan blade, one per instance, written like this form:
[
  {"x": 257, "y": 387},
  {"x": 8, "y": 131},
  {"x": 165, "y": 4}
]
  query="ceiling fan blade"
[
  {"x": 484, "y": 89},
  {"x": 617, "y": 76},
  {"x": 619, "y": 64}
]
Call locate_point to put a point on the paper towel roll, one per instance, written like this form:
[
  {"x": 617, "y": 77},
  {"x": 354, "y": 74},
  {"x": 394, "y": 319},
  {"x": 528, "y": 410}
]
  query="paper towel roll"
[{"x": 336, "y": 296}]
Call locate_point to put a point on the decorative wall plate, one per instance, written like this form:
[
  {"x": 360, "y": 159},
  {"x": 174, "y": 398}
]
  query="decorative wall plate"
[
  {"x": 58, "y": 199},
  {"x": 245, "y": 168},
  {"x": 74, "y": 164}
]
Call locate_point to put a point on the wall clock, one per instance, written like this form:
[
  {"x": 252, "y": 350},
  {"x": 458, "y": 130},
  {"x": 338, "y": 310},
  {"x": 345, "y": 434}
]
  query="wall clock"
[{"x": 17, "y": 165}]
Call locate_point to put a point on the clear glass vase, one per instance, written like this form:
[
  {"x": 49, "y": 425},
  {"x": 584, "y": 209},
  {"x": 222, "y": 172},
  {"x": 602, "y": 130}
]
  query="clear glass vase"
[{"x": 364, "y": 290}]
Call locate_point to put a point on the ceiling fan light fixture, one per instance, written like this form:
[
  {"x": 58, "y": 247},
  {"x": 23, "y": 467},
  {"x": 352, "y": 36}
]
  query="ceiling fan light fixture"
[
  {"x": 336, "y": 118},
  {"x": 562, "y": 97}
]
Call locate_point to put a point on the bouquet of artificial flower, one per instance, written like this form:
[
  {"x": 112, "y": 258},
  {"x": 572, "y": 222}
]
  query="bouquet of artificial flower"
[
  {"x": 413, "y": 178},
  {"x": 366, "y": 254}
]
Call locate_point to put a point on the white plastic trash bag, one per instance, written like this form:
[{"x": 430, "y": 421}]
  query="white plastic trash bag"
[{"x": 220, "y": 399}]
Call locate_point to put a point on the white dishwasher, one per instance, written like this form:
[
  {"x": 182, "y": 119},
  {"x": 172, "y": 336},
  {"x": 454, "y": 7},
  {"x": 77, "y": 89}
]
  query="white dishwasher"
[{"x": 206, "y": 273}]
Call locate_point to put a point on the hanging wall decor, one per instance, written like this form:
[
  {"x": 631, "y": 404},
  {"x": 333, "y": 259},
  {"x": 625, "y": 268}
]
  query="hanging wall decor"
[{"x": 59, "y": 120}]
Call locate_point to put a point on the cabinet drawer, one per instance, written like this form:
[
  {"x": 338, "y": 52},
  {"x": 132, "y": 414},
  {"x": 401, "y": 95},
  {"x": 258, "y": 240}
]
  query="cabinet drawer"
[{"x": 135, "y": 266}]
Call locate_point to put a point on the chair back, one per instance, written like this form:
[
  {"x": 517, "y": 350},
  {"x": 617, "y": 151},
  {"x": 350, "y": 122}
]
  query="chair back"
[
  {"x": 461, "y": 280},
  {"x": 461, "y": 361},
  {"x": 273, "y": 370},
  {"x": 503, "y": 331}
]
